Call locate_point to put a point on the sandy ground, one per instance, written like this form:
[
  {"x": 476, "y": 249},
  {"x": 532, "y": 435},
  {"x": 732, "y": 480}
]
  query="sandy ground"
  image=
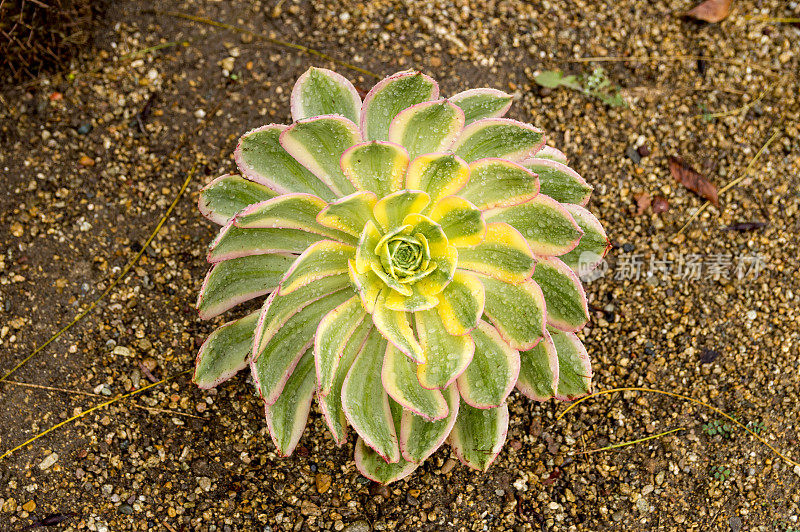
[{"x": 91, "y": 161}]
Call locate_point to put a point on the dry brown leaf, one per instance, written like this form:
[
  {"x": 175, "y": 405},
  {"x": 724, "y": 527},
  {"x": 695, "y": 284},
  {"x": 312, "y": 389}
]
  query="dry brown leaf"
[
  {"x": 693, "y": 180},
  {"x": 660, "y": 204},
  {"x": 711, "y": 10},
  {"x": 642, "y": 202}
]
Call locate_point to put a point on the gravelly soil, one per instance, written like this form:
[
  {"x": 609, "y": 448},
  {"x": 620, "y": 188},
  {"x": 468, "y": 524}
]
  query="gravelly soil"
[{"x": 89, "y": 166}]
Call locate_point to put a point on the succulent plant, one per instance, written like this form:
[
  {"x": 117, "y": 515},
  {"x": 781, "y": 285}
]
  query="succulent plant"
[{"x": 420, "y": 257}]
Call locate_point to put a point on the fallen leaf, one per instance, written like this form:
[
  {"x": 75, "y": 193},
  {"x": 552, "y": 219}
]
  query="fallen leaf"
[
  {"x": 642, "y": 202},
  {"x": 660, "y": 204},
  {"x": 551, "y": 479},
  {"x": 707, "y": 356},
  {"x": 711, "y": 10},
  {"x": 745, "y": 226},
  {"x": 693, "y": 180}
]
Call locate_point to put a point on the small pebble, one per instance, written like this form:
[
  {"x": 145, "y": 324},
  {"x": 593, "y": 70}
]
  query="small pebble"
[{"x": 51, "y": 459}]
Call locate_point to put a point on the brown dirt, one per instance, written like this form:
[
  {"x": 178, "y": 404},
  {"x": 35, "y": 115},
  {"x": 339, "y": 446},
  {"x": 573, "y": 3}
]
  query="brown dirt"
[{"x": 89, "y": 168}]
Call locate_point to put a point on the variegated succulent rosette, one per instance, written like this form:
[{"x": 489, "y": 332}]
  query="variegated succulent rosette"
[{"x": 420, "y": 257}]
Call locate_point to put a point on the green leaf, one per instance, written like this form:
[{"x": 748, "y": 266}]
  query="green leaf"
[
  {"x": 593, "y": 244},
  {"x": 504, "y": 254},
  {"x": 376, "y": 166},
  {"x": 559, "y": 181},
  {"x": 322, "y": 259},
  {"x": 287, "y": 417},
  {"x": 225, "y": 351},
  {"x": 499, "y": 183},
  {"x": 278, "y": 309},
  {"x": 331, "y": 404},
  {"x": 234, "y": 242},
  {"x": 551, "y": 153},
  {"x": 393, "y": 325},
  {"x": 538, "y": 373},
  {"x": 229, "y": 194},
  {"x": 350, "y": 213},
  {"x": 275, "y": 359},
  {"x": 427, "y": 127},
  {"x": 330, "y": 341},
  {"x": 516, "y": 310},
  {"x": 390, "y": 96},
  {"x": 420, "y": 438},
  {"x": 461, "y": 221},
  {"x": 565, "y": 299},
  {"x": 461, "y": 303},
  {"x": 554, "y": 78},
  {"x": 318, "y": 144},
  {"x": 491, "y": 375},
  {"x": 399, "y": 377},
  {"x": 447, "y": 355},
  {"x": 574, "y": 366},
  {"x": 437, "y": 174},
  {"x": 368, "y": 285},
  {"x": 543, "y": 222},
  {"x": 498, "y": 137},
  {"x": 479, "y": 435},
  {"x": 482, "y": 103},
  {"x": 390, "y": 210},
  {"x": 374, "y": 467},
  {"x": 549, "y": 78},
  {"x": 289, "y": 211},
  {"x": 365, "y": 402},
  {"x": 320, "y": 91},
  {"x": 235, "y": 281},
  {"x": 261, "y": 158}
]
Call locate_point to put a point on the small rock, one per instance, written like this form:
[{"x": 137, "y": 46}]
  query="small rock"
[
  {"x": 643, "y": 151},
  {"x": 227, "y": 64},
  {"x": 358, "y": 526},
  {"x": 17, "y": 230},
  {"x": 309, "y": 508},
  {"x": 126, "y": 509},
  {"x": 83, "y": 129},
  {"x": 448, "y": 466},
  {"x": 85, "y": 160},
  {"x": 376, "y": 488},
  {"x": 122, "y": 351},
  {"x": 200, "y": 113},
  {"x": 633, "y": 154},
  {"x": 736, "y": 523},
  {"x": 29, "y": 506},
  {"x": 660, "y": 477},
  {"x": 647, "y": 490},
  {"x": 323, "y": 482},
  {"x": 49, "y": 461},
  {"x": 204, "y": 483}
]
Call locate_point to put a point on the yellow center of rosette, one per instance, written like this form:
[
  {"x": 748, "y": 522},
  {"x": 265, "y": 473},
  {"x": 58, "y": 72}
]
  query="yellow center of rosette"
[{"x": 403, "y": 253}]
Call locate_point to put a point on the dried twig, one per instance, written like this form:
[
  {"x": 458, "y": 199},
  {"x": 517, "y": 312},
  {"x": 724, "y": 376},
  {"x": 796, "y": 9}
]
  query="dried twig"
[
  {"x": 277, "y": 42},
  {"x": 625, "y": 444},
  {"x": 114, "y": 283},
  {"x": 685, "y": 398},
  {"x": 85, "y": 412},
  {"x": 665, "y": 59}
]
